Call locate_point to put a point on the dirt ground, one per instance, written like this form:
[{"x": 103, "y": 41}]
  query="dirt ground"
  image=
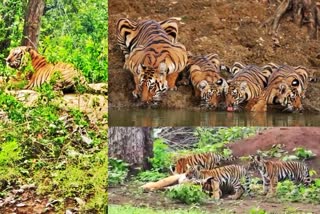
[
  {"x": 128, "y": 194},
  {"x": 227, "y": 27},
  {"x": 291, "y": 137}
]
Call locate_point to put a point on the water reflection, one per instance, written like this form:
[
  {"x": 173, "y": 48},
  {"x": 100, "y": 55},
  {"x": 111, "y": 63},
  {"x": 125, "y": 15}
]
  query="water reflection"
[{"x": 156, "y": 117}]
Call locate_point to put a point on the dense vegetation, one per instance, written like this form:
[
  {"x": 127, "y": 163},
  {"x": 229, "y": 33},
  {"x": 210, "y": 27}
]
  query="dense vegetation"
[
  {"x": 58, "y": 151},
  {"x": 71, "y": 31}
]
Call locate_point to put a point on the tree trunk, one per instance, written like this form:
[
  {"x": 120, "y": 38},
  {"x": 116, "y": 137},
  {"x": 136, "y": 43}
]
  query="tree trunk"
[
  {"x": 134, "y": 145},
  {"x": 32, "y": 23}
]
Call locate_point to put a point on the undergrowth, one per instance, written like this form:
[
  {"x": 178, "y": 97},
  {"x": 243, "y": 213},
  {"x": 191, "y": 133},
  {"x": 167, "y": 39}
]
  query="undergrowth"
[{"x": 59, "y": 151}]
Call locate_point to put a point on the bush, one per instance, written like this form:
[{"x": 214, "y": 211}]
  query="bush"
[
  {"x": 187, "y": 193},
  {"x": 117, "y": 171},
  {"x": 288, "y": 191},
  {"x": 161, "y": 156}
]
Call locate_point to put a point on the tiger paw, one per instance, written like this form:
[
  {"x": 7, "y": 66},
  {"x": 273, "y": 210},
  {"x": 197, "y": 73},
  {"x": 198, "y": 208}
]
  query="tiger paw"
[{"x": 135, "y": 95}]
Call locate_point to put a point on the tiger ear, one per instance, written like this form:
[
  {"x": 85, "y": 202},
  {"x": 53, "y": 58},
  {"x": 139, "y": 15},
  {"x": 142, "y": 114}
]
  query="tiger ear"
[
  {"x": 282, "y": 88},
  {"x": 28, "y": 48},
  {"x": 243, "y": 85},
  {"x": 202, "y": 85},
  {"x": 257, "y": 157},
  {"x": 163, "y": 68},
  {"x": 141, "y": 67},
  {"x": 208, "y": 180}
]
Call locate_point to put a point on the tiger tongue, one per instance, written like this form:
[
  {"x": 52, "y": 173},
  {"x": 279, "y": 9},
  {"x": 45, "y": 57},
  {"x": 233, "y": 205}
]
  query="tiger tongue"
[{"x": 230, "y": 108}]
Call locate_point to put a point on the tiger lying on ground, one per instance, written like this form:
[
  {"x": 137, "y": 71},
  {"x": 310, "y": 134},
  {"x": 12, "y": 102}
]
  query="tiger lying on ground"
[
  {"x": 208, "y": 160},
  {"x": 67, "y": 76},
  {"x": 274, "y": 171},
  {"x": 247, "y": 83},
  {"x": 207, "y": 83},
  {"x": 286, "y": 86},
  {"x": 153, "y": 56},
  {"x": 220, "y": 180}
]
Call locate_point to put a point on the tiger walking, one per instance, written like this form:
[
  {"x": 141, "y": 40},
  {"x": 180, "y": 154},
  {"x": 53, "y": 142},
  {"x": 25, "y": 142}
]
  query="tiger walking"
[{"x": 274, "y": 171}]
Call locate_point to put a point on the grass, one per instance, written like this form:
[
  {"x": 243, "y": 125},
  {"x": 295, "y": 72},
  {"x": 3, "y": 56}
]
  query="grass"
[{"x": 127, "y": 209}]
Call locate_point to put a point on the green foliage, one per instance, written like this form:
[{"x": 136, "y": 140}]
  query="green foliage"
[
  {"x": 187, "y": 193},
  {"x": 219, "y": 135},
  {"x": 303, "y": 153},
  {"x": 161, "y": 156},
  {"x": 288, "y": 191},
  {"x": 160, "y": 163},
  {"x": 74, "y": 32},
  {"x": 257, "y": 210},
  {"x": 137, "y": 210},
  {"x": 117, "y": 171},
  {"x": 45, "y": 145},
  {"x": 150, "y": 175},
  {"x": 276, "y": 151}
]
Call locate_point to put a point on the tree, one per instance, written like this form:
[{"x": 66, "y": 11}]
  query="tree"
[
  {"x": 132, "y": 144},
  {"x": 32, "y": 23}
]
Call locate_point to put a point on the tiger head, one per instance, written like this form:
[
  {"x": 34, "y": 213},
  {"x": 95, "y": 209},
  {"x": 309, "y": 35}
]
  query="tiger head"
[
  {"x": 193, "y": 172},
  {"x": 238, "y": 93},
  {"x": 211, "y": 93},
  {"x": 256, "y": 162},
  {"x": 15, "y": 58},
  {"x": 152, "y": 82}
]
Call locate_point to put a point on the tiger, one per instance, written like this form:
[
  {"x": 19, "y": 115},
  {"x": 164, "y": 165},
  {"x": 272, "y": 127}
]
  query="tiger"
[
  {"x": 207, "y": 83},
  {"x": 153, "y": 55},
  {"x": 44, "y": 72},
  {"x": 207, "y": 160},
  {"x": 247, "y": 83},
  {"x": 286, "y": 86},
  {"x": 274, "y": 171},
  {"x": 220, "y": 180}
]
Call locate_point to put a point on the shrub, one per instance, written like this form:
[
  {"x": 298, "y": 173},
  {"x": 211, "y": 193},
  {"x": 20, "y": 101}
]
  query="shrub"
[
  {"x": 187, "y": 193},
  {"x": 117, "y": 171}
]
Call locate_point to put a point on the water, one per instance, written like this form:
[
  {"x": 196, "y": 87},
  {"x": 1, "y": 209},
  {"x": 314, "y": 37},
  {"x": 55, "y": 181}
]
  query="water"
[{"x": 160, "y": 117}]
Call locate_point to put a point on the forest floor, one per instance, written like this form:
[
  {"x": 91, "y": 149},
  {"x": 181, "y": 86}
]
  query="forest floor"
[
  {"x": 227, "y": 27},
  {"x": 291, "y": 138}
]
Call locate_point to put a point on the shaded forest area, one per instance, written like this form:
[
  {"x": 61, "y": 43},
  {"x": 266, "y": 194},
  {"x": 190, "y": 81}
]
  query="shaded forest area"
[{"x": 53, "y": 156}]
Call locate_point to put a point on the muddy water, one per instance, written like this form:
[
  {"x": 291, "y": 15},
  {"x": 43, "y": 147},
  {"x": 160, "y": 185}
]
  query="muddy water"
[{"x": 156, "y": 117}]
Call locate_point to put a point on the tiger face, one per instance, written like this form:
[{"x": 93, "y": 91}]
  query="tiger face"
[
  {"x": 14, "y": 60},
  {"x": 238, "y": 93},
  {"x": 152, "y": 82},
  {"x": 193, "y": 172},
  {"x": 211, "y": 93}
]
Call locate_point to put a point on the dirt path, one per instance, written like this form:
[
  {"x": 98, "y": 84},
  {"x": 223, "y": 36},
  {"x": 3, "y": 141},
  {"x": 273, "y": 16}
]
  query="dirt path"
[{"x": 227, "y": 27}]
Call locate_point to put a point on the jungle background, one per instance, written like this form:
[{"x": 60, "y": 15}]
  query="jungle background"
[
  {"x": 140, "y": 155},
  {"x": 53, "y": 156}
]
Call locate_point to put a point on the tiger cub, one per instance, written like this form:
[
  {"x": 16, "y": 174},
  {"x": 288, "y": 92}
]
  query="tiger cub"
[
  {"x": 152, "y": 55},
  {"x": 286, "y": 86},
  {"x": 207, "y": 83},
  {"x": 247, "y": 83},
  {"x": 208, "y": 160},
  {"x": 274, "y": 171},
  {"x": 220, "y": 180}
]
